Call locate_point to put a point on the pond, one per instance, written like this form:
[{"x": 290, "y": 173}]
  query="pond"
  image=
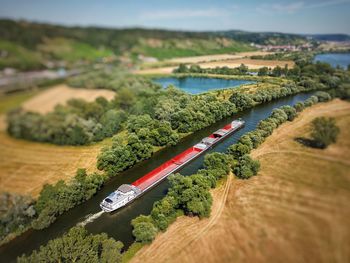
[
  {"x": 195, "y": 85},
  {"x": 334, "y": 59}
]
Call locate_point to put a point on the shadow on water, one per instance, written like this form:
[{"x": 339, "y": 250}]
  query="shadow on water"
[{"x": 117, "y": 225}]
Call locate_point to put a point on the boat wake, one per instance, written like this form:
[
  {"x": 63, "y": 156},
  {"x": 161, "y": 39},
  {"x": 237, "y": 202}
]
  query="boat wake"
[{"x": 90, "y": 218}]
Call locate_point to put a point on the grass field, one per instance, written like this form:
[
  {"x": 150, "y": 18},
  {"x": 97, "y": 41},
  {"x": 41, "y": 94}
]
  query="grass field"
[
  {"x": 295, "y": 210},
  {"x": 60, "y": 94}
]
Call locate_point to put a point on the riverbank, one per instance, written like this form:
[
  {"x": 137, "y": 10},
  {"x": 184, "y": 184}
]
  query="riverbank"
[{"x": 294, "y": 210}]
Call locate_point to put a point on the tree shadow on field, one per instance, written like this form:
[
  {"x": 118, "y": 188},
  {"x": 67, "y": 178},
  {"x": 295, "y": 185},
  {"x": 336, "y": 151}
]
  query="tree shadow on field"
[{"x": 309, "y": 143}]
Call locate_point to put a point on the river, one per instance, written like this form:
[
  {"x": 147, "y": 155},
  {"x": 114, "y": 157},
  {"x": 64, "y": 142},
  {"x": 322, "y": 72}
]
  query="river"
[
  {"x": 334, "y": 59},
  {"x": 117, "y": 224}
]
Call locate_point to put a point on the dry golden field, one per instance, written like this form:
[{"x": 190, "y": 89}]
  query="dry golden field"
[
  {"x": 46, "y": 101},
  {"x": 250, "y": 63},
  {"x": 26, "y": 166},
  {"x": 208, "y": 58},
  {"x": 295, "y": 210},
  {"x": 212, "y": 61}
]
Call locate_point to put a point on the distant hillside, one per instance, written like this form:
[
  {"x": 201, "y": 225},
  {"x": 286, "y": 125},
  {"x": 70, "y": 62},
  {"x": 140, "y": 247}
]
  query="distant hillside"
[
  {"x": 71, "y": 45},
  {"x": 331, "y": 37},
  {"x": 263, "y": 38},
  {"x": 76, "y": 44}
]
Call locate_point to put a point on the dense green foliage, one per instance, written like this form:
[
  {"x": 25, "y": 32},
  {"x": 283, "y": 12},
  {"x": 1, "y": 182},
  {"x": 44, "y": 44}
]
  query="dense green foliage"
[
  {"x": 174, "y": 113},
  {"x": 55, "y": 199},
  {"x": 283, "y": 56},
  {"x": 77, "y": 246},
  {"x": 144, "y": 232},
  {"x": 246, "y": 167},
  {"x": 80, "y": 122},
  {"x": 190, "y": 194},
  {"x": 241, "y": 70},
  {"x": 16, "y": 213},
  {"x": 324, "y": 131}
]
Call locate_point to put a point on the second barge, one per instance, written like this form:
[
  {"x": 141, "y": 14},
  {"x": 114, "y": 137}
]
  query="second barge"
[{"x": 126, "y": 193}]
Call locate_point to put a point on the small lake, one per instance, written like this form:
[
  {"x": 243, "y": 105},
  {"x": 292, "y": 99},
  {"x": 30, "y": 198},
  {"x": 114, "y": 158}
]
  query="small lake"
[
  {"x": 195, "y": 85},
  {"x": 334, "y": 59}
]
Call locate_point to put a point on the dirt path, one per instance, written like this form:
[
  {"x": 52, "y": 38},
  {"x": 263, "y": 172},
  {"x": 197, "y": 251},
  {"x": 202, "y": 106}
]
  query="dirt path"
[{"x": 295, "y": 210}]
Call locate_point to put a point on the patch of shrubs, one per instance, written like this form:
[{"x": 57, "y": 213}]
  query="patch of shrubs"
[
  {"x": 77, "y": 246},
  {"x": 56, "y": 199},
  {"x": 324, "y": 131},
  {"x": 16, "y": 213}
]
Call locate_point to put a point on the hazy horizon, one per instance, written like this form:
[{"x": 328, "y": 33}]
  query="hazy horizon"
[{"x": 295, "y": 17}]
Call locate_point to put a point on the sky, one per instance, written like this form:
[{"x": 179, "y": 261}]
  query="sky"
[{"x": 308, "y": 16}]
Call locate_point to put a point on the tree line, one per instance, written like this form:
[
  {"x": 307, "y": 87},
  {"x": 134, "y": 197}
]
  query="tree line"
[
  {"x": 160, "y": 119},
  {"x": 190, "y": 195}
]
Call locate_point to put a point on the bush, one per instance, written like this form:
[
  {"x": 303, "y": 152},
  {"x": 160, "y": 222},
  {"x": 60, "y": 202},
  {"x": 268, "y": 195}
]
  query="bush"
[
  {"x": 323, "y": 96},
  {"x": 16, "y": 213},
  {"x": 77, "y": 246},
  {"x": 324, "y": 131},
  {"x": 242, "y": 101},
  {"x": 56, "y": 199},
  {"x": 238, "y": 150},
  {"x": 217, "y": 161},
  {"x": 144, "y": 232},
  {"x": 310, "y": 101},
  {"x": 246, "y": 167},
  {"x": 299, "y": 106},
  {"x": 290, "y": 111},
  {"x": 191, "y": 194}
]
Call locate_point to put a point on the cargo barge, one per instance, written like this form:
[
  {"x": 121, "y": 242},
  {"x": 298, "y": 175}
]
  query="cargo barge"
[{"x": 126, "y": 193}]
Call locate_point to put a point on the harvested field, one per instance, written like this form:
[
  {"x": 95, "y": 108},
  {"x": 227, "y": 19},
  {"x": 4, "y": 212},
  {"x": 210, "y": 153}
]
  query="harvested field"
[
  {"x": 250, "y": 63},
  {"x": 47, "y": 100},
  {"x": 295, "y": 210},
  {"x": 231, "y": 61},
  {"x": 26, "y": 166},
  {"x": 208, "y": 58}
]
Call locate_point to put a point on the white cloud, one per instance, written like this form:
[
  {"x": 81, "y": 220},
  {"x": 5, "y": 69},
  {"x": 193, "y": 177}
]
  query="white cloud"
[
  {"x": 186, "y": 13},
  {"x": 296, "y": 6},
  {"x": 289, "y": 8}
]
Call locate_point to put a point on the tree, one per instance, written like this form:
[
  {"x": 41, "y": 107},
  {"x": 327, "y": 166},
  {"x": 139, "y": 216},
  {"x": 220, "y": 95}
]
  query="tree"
[
  {"x": 290, "y": 111},
  {"x": 144, "y": 232},
  {"x": 242, "y": 101},
  {"x": 264, "y": 71},
  {"x": 217, "y": 161},
  {"x": 323, "y": 96},
  {"x": 246, "y": 167},
  {"x": 299, "y": 106},
  {"x": 324, "y": 131},
  {"x": 238, "y": 149},
  {"x": 277, "y": 71},
  {"x": 77, "y": 246}
]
